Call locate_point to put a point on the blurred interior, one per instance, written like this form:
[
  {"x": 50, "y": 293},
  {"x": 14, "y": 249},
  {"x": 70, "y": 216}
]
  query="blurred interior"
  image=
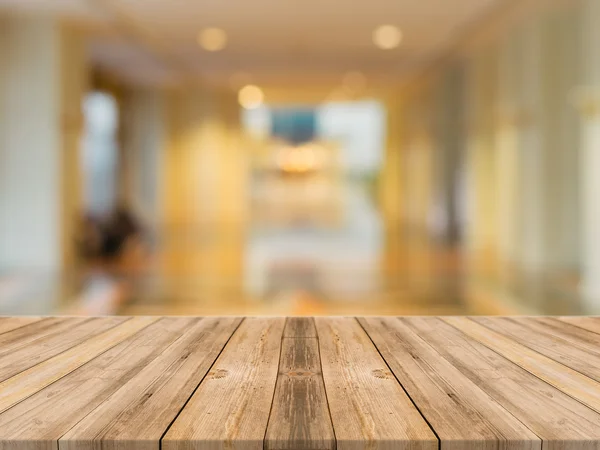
[{"x": 201, "y": 157}]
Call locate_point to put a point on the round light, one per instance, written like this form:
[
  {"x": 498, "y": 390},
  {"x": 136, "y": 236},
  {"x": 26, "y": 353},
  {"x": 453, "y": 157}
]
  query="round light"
[
  {"x": 251, "y": 97},
  {"x": 387, "y": 37},
  {"x": 297, "y": 159},
  {"x": 212, "y": 39}
]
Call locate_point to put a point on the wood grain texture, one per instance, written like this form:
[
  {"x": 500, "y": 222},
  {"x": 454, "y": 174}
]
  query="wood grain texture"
[
  {"x": 139, "y": 413},
  {"x": 463, "y": 416},
  {"x": 187, "y": 383},
  {"x": 369, "y": 409},
  {"x": 562, "y": 422},
  {"x": 29, "y": 334},
  {"x": 591, "y": 324},
  {"x": 568, "y": 380},
  {"x": 34, "y": 379},
  {"x": 12, "y": 323},
  {"x": 230, "y": 409},
  {"x": 37, "y": 422},
  {"x": 561, "y": 342},
  {"x": 300, "y": 327},
  {"x": 300, "y": 415},
  {"x": 572, "y": 334},
  {"x": 41, "y": 345}
]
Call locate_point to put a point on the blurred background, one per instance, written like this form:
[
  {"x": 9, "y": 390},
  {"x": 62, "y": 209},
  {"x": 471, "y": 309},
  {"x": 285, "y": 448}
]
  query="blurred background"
[{"x": 317, "y": 157}]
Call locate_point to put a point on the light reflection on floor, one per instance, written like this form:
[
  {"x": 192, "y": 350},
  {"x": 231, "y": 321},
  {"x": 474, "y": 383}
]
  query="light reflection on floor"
[
  {"x": 307, "y": 285},
  {"x": 296, "y": 266},
  {"x": 193, "y": 277},
  {"x": 304, "y": 260}
]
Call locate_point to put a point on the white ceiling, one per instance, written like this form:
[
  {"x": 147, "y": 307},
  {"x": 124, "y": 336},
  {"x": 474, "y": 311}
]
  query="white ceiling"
[{"x": 277, "y": 42}]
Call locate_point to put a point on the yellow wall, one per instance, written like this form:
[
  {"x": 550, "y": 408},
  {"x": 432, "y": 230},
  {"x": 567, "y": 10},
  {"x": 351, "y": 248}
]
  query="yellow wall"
[{"x": 206, "y": 164}]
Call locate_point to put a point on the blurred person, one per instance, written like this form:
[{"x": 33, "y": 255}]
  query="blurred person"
[
  {"x": 122, "y": 228},
  {"x": 89, "y": 237},
  {"x": 117, "y": 242}
]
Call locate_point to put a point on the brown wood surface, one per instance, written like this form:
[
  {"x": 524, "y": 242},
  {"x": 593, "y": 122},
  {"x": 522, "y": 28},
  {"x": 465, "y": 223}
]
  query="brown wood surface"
[
  {"x": 148, "y": 383},
  {"x": 156, "y": 394},
  {"x": 369, "y": 409},
  {"x": 558, "y": 419},
  {"x": 42, "y": 344},
  {"x": 562, "y": 377},
  {"x": 556, "y": 342},
  {"x": 463, "y": 415},
  {"x": 587, "y": 323},
  {"x": 37, "y": 422},
  {"x": 28, "y": 335},
  {"x": 300, "y": 417},
  {"x": 301, "y": 327},
  {"x": 12, "y": 323},
  {"x": 28, "y": 382},
  {"x": 230, "y": 410}
]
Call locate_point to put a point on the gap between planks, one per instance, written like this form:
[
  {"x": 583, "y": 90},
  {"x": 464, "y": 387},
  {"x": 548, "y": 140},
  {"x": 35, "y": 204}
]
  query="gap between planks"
[
  {"x": 360, "y": 323},
  {"x": 160, "y": 441}
]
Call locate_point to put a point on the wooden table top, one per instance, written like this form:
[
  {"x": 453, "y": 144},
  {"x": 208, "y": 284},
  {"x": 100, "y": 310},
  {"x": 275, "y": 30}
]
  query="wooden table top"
[{"x": 150, "y": 383}]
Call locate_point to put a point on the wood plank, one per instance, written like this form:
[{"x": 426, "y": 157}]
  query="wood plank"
[
  {"x": 34, "y": 379},
  {"x": 24, "y": 336},
  {"x": 11, "y": 323},
  {"x": 300, "y": 327},
  {"x": 463, "y": 416},
  {"x": 369, "y": 409},
  {"x": 574, "y": 335},
  {"x": 139, "y": 413},
  {"x": 587, "y": 323},
  {"x": 555, "y": 342},
  {"x": 558, "y": 375},
  {"x": 480, "y": 383},
  {"x": 230, "y": 409},
  {"x": 300, "y": 415},
  {"x": 54, "y": 340},
  {"x": 562, "y": 422},
  {"x": 38, "y": 422}
]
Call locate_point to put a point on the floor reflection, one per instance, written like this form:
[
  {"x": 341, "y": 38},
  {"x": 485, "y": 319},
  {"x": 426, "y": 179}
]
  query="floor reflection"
[
  {"x": 206, "y": 272},
  {"x": 325, "y": 258}
]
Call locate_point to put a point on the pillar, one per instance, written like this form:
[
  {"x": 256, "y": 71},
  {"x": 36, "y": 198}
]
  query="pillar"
[
  {"x": 205, "y": 182},
  {"x": 391, "y": 181},
  {"x": 43, "y": 77},
  {"x": 417, "y": 167},
  {"x": 206, "y": 164},
  {"x": 481, "y": 225},
  {"x": 449, "y": 135},
  {"x": 390, "y": 186},
  {"x": 560, "y": 126},
  {"x": 506, "y": 150},
  {"x": 143, "y": 153},
  {"x": 533, "y": 150},
  {"x": 548, "y": 148},
  {"x": 587, "y": 97}
]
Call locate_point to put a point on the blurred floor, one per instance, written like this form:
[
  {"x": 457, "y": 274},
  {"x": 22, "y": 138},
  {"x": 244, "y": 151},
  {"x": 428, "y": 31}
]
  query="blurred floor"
[
  {"x": 305, "y": 266},
  {"x": 300, "y": 255},
  {"x": 191, "y": 277},
  {"x": 412, "y": 281}
]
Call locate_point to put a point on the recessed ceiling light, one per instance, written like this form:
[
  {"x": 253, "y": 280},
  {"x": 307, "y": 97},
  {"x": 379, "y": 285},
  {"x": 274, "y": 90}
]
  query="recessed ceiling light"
[
  {"x": 212, "y": 39},
  {"x": 387, "y": 37},
  {"x": 251, "y": 97}
]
